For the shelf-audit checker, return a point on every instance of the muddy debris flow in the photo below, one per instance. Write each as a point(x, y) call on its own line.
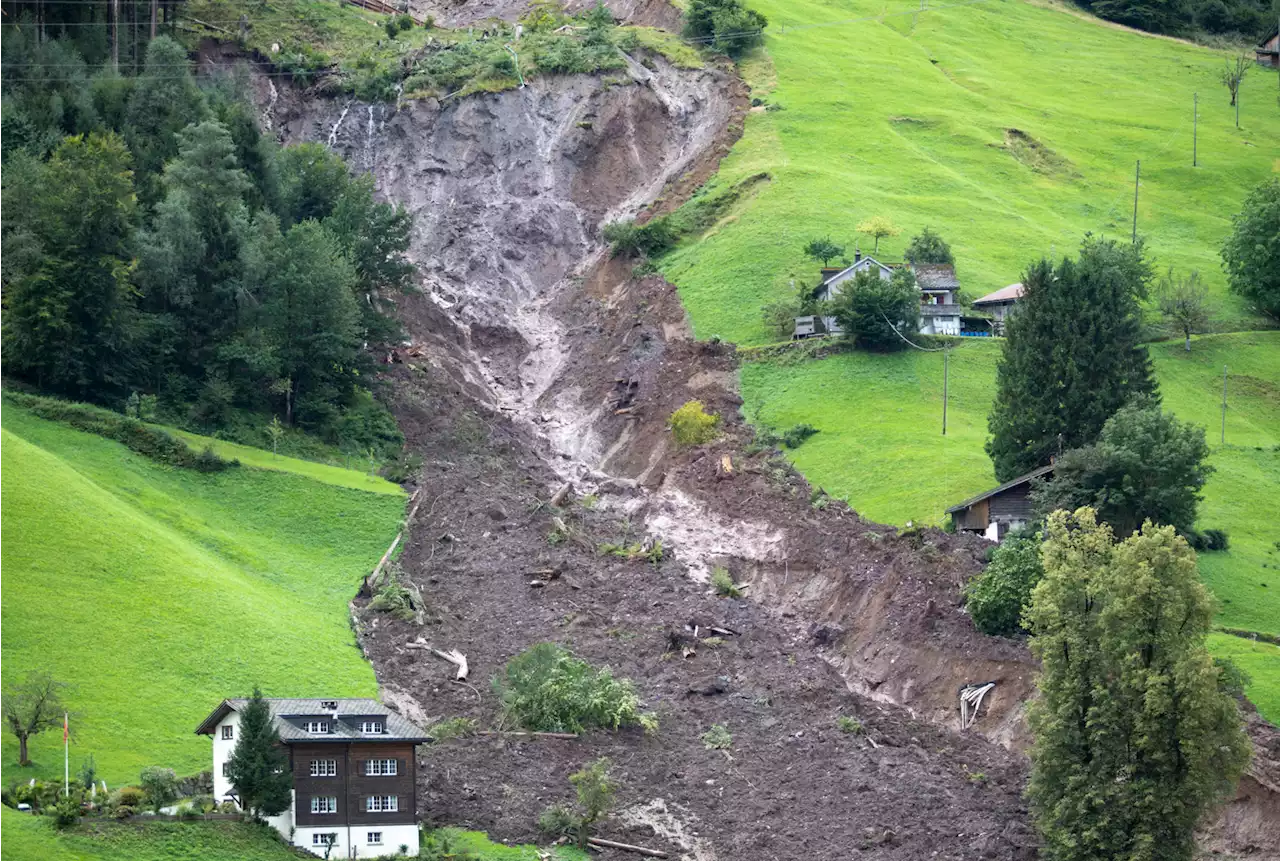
point(535, 360)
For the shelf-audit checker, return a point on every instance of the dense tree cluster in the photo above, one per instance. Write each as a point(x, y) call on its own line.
point(1245, 19)
point(156, 243)
point(1072, 355)
point(1137, 733)
point(724, 25)
point(1251, 253)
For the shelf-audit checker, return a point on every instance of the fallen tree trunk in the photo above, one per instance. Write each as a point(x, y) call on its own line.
point(523, 734)
point(601, 843)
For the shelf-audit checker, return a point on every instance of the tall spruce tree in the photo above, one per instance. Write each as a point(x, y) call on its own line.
point(164, 101)
point(1072, 355)
point(1136, 736)
point(259, 768)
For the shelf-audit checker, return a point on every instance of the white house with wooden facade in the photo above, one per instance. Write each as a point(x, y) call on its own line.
point(354, 774)
point(939, 311)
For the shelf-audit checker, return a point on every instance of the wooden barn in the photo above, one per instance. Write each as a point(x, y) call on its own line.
point(1268, 51)
point(995, 512)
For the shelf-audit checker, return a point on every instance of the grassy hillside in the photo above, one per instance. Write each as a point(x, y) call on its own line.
point(33, 838)
point(156, 591)
point(880, 445)
point(912, 117)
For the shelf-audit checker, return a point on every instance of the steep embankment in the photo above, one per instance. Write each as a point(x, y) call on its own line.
point(155, 592)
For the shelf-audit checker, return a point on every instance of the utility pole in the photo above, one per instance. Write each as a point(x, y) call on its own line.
point(154, 3)
point(1222, 440)
point(1238, 103)
point(1195, 117)
point(946, 374)
point(1137, 174)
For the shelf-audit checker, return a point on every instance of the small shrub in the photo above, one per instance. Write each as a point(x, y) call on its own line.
point(558, 820)
point(395, 600)
point(848, 725)
point(459, 727)
point(67, 812)
point(392, 27)
point(693, 425)
point(547, 689)
point(404, 468)
point(795, 435)
point(713, 642)
point(996, 596)
point(1209, 540)
point(159, 786)
point(717, 738)
point(404, 22)
point(129, 796)
point(227, 807)
point(722, 582)
point(124, 811)
point(188, 811)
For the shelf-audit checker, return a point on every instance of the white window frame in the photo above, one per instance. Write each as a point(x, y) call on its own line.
point(327, 839)
point(374, 838)
point(228, 732)
point(373, 727)
point(226, 768)
point(324, 768)
point(382, 804)
point(381, 768)
point(328, 802)
point(318, 727)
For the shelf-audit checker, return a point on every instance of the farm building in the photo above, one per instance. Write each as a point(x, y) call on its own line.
point(939, 312)
point(1268, 51)
point(995, 512)
point(1000, 305)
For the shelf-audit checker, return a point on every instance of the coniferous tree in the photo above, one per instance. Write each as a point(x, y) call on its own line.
point(1072, 355)
point(1136, 736)
point(164, 101)
point(69, 302)
point(259, 768)
point(928, 247)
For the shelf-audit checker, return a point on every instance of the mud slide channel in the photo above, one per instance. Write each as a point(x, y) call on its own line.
point(574, 365)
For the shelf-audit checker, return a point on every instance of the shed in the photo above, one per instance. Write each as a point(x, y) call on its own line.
point(996, 511)
point(1268, 51)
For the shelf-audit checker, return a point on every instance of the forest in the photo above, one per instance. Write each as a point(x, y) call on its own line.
point(162, 255)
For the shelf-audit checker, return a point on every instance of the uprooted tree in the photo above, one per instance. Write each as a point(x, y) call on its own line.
point(1137, 735)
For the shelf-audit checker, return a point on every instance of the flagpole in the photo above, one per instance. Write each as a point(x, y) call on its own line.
point(66, 755)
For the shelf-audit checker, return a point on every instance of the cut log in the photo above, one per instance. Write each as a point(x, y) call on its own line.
point(456, 658)
point(373, 578)
point(600, 842)
point(523, 734)
point(557, 498)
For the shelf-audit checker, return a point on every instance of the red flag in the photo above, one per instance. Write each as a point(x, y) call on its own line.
point(64, 727)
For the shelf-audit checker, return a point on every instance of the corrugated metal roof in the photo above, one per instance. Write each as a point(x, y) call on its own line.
point(343, 717)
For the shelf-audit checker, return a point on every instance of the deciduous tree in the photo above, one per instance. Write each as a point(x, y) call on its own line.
point(928, 247)
point(32, 706)
point(1184, 302)
point(726, 25)
point(1072, 355)
point(824, 250)
point(1135, 737)
point(259, 768)
point(878, 227)
point(1251, 252)
point(878, 313)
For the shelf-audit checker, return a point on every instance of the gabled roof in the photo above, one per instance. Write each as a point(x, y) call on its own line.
point(343, 715)
point(1275, 31)
point(1004, 294)
point(1022, 479)
point(935, 276)
point(860, 263)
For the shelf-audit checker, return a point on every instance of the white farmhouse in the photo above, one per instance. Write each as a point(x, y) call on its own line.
point(939, 311)
point(354, 773)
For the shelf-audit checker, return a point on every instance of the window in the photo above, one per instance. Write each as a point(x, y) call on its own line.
point(324, 804)
point(324, 768)
point(324, 839)
point(376, 727)
point(226, 769)
point(380, 767)
point(228, 732)
point(320, 726)
point(382, 803)
point(375, 838)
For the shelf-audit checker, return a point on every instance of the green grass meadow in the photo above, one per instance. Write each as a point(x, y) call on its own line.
point(155, 592)
point(908, 117)
point(880, 445)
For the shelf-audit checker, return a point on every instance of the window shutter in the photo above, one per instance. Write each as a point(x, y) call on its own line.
point(401, 769)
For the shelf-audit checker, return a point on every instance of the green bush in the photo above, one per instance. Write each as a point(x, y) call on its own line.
point(547, 689)
point(725, 25)
point(723, 583)
point(848, 725)
point(136, 435)
point(1208, 540)
point(693, 425)
point(717, 738)
point(558, 821)
point(995, 597)
point(642, 240)
point(159, 785)
point(124, 811)
point(128, 796)
point(66, 812)
point(394, 599)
